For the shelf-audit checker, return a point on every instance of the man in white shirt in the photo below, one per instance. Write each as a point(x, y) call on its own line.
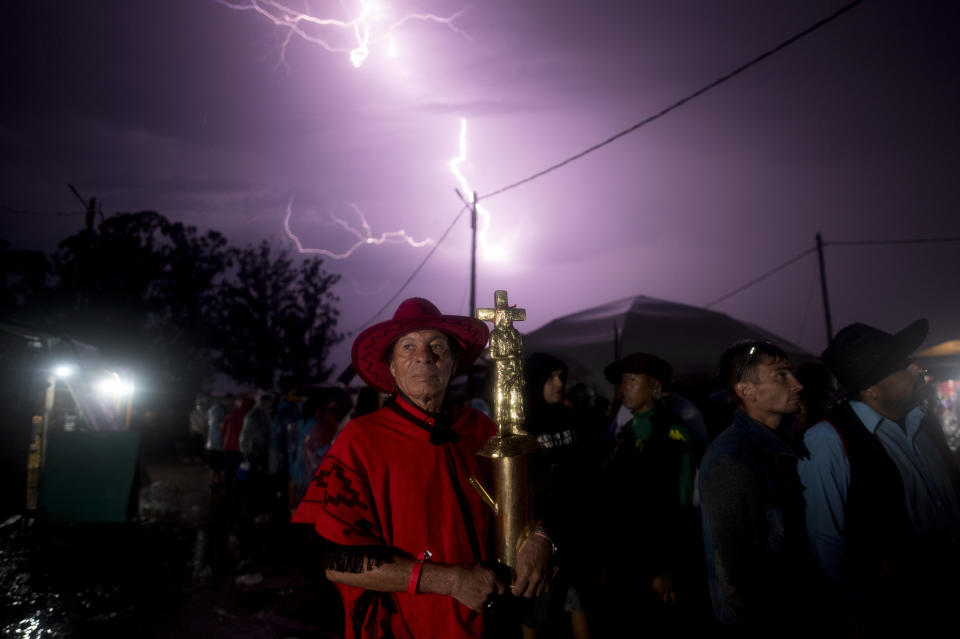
point(881, 488)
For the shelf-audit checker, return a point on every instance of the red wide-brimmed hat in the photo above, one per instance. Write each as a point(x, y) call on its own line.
point(414, 314)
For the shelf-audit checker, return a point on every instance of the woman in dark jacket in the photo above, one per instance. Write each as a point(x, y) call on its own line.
point(559, 474)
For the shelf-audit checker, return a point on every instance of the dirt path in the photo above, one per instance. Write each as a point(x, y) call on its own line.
point(179, 570)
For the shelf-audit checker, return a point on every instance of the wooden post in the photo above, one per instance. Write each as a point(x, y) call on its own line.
point(823, 289)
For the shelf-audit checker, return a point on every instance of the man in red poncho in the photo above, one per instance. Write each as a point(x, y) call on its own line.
point(406, 534)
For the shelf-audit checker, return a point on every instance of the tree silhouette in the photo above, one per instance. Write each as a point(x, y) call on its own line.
point(178, 305)
point(23, 279)
point(276, 321)
point(138, 287)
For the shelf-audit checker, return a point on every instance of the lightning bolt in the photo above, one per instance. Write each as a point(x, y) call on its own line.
point(483, 216)
point(365, 292)
point(364, 235)
point(361, 31)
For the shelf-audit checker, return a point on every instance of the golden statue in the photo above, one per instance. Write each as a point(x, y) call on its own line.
point(507, 450)
point(506, 350)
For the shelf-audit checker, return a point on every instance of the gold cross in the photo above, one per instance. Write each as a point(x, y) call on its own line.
point(502, 309)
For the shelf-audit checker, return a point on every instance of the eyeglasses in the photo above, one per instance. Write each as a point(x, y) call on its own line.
point(746, 361)
point(912, 362)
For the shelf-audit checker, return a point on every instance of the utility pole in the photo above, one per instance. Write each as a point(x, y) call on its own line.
point(473, 249)
point(91, 211)
point(473, 255)
point(473, 265)
point(823, 289)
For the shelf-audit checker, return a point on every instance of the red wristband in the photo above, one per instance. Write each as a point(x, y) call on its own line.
point(417, 569)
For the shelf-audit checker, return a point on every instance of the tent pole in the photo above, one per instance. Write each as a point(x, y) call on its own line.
point(823, 289)
point(616, 341)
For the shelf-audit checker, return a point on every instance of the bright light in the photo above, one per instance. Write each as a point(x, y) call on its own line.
point(354, 36)
point(63, 371)
point(114, 387)
point(489, 252)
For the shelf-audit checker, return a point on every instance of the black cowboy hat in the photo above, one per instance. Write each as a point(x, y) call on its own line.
point(638, 363)
point(859, 355)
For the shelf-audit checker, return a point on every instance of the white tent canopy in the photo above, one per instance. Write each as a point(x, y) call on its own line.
point(688, 337)
point(942, 360)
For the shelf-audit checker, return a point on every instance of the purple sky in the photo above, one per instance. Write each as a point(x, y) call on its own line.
point(186, 107)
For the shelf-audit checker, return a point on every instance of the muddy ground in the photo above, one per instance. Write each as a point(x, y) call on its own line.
point(181, 568)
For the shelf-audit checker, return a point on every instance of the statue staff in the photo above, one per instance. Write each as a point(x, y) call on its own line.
point(508, 449)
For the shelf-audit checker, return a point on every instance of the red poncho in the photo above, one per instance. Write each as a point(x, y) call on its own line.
point(384, 483)
point(233, 424)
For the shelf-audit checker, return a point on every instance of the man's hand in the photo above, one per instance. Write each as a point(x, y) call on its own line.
point(533, 572)
point(663, 587)
point(475, 585)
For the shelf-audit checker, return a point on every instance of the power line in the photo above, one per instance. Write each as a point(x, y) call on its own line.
point(680, 102)
point(611, 139)
point(627, 131)
point(412, 275)
point(919, 240)
point(24, 212)
point(757, 280)
point(77, 193)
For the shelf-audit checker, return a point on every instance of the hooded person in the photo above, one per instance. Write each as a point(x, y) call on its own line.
point(561, 463)
point(882, 489)
point(406, 536)
point(547, 416)
point(560, 477)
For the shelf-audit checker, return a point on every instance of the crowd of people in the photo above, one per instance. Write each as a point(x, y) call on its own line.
point(812, 498)
point(263, 448)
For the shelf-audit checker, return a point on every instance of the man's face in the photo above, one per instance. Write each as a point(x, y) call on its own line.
point(772, 388)
point(900, 391)
point(553, 389)
point(422, 364)
point(637, 391)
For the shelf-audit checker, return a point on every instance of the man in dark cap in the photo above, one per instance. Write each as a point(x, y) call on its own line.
point(882, 489)
point(750, 499)
point(406, 534)
point(648, 484)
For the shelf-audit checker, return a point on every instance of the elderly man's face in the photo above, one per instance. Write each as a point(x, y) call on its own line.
point(422, 364)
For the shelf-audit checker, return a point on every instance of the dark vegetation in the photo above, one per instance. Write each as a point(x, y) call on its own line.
point(177, 306)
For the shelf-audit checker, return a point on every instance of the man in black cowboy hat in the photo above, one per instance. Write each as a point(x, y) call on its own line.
point(648, 491)
point(407, 536)
point(882, 489)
